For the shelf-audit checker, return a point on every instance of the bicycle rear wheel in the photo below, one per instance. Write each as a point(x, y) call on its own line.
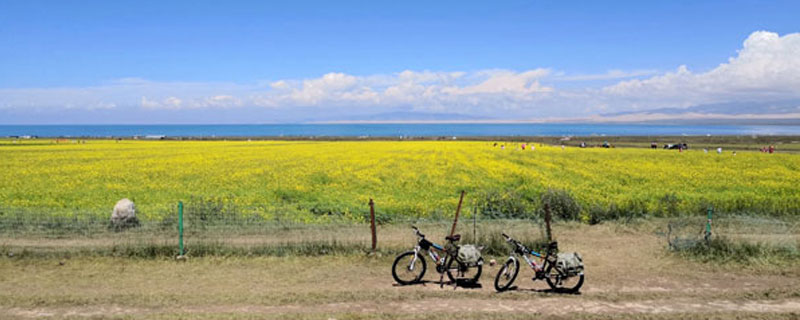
point(564, 284)
point(458, 271)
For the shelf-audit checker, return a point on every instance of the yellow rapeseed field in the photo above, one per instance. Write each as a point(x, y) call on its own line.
point(308, 179)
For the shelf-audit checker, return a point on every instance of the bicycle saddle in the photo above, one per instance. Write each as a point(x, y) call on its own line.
point(453, 238)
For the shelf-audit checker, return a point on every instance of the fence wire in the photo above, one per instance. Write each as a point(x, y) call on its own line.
point(687, 232)
point(213, 230)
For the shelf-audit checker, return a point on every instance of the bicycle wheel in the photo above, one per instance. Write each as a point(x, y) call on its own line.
point(564, 284)
point(465, 273)
point(403, 273)
point(506, 276)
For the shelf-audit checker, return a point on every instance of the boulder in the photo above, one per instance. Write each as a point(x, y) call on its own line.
point(124, 215)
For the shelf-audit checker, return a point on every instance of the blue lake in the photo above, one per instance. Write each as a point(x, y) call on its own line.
point(391, 130)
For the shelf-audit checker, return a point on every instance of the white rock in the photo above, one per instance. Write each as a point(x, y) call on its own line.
point(124, 214)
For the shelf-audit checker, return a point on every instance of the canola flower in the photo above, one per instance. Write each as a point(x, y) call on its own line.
point(406, 178)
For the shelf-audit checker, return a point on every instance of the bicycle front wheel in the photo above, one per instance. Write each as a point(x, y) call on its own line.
point(506, 276)
point(404, 272)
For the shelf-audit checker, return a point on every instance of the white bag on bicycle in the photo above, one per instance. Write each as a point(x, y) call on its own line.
point(570, 263)
point(469, 255)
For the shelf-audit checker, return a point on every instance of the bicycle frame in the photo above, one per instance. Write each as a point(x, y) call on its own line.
point(432, 248)
point(540, 270)
point(532, 263)
point(439, 254)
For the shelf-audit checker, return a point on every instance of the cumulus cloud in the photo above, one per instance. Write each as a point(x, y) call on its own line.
point(505, 82)
point(766, 67)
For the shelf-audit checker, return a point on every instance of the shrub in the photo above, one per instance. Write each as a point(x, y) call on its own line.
point(503, 205)
point(562, 205)
point(628, 211)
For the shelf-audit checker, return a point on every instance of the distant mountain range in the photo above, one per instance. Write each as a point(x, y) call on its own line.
point(785, 112)
point(750, 112)
point(730, 108)
point(410, 116)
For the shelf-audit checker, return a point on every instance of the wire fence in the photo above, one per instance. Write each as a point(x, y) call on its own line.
point(217, 229)
point(736, 238)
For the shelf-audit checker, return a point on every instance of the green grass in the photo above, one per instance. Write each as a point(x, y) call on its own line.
point(725, 250)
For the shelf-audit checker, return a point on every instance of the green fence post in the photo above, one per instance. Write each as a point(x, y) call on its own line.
point(180, 227)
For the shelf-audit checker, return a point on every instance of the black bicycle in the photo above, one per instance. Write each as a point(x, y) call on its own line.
point(562, 273)
point(409, 267)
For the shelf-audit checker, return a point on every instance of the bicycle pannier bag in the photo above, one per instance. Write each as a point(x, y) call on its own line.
point(470, 255)
point(570, 263)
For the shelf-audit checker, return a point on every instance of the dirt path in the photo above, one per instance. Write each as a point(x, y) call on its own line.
point(623, 281)
point(546, 306)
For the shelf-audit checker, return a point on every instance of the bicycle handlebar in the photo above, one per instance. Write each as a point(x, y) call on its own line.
point(416, 231)
point(516, 243)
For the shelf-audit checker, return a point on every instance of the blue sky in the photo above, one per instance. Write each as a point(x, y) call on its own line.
point(540, 58)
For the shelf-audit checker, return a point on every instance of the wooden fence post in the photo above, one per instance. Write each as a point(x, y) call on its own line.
point(707, 235)
point(547, 219)
point(458, 210)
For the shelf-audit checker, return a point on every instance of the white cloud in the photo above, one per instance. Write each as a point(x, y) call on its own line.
point(172, 103)
point(767, 67)
point(505, 82)
point(222, 101)
point(609, 75)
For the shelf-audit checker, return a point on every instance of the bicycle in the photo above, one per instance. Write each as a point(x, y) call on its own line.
point(409, 267)
point(558, 274)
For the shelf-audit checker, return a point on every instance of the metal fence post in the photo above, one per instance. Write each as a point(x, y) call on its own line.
point(180, 227)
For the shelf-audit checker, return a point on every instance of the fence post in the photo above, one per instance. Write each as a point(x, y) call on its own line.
point(458, 210)
point(180, 228)
point(708, 226)
point(372, 225)
point(547, 219)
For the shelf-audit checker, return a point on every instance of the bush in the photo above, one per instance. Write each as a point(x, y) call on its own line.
point(504, 205)
point(630, 210)
point(562, 205)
